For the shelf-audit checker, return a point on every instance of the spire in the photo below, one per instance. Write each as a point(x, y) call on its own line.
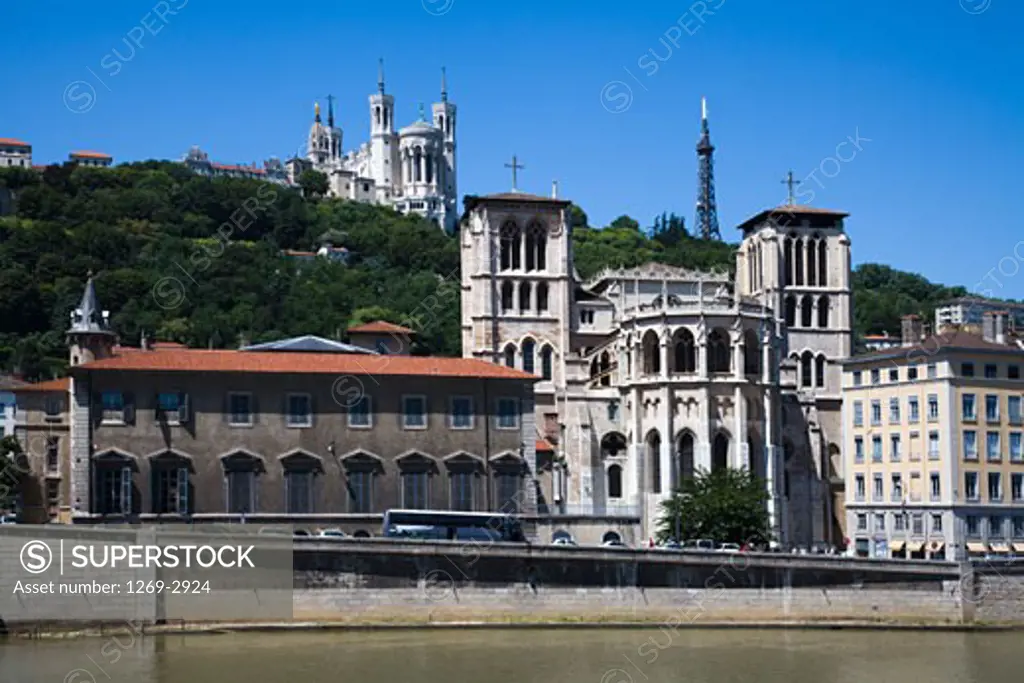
point(380, 76)
point(422, 115)
point(88, 317)
point(706, 224)
point(316, 112)
point(444, 85)
point(330, 111)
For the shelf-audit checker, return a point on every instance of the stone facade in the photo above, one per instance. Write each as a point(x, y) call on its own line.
point(648, 374)
point(43, 430)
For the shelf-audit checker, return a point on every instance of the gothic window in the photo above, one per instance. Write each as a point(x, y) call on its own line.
point(507, 294)
point(686, 466)
point(819, 371)
point(718, 351)
point(812, 253)
point(807, 310)
point(546, 362)
point(510, 246)
point(614, 481)
point(606, 375)
point(654, 460)
point(720, 452)
point(806, 363)
point(529, 347)
point(510, 356)
point(790, 311)
point(376, 114)
point(542, 297)
point(684, 351)
point(418, 165)
point(536, 247)
point(524, 297)
point(429, 162)
point(823, 312)
point(787, 256)
point(798, 266)
point(652, 353)
point(751, 354)
point(822, 263)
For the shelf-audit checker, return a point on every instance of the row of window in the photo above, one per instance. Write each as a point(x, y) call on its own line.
point(899, 522)
point(995, 487)
point(173, 490)
point(993, 446)
point(969, 408)
point(990, 371)
point(895, 415)
point(805, 259)
point(896, 490)
point(527, 355)
point(241, 410)
point(527, 302)
point(896, 448)
point(996, 526)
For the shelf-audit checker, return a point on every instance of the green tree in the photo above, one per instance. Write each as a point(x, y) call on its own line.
point(726, 505)
point(313, 184)
point(12, 470)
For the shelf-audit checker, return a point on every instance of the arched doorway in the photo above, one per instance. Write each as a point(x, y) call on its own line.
point(720, 452)
point(611, 537)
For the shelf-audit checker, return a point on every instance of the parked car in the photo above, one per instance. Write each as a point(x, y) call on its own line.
point(699, 544)
point(563, 540)
point(331, 533)
point(729, 548)
point(613, 543)
point(670, 545)
point(8, 519)
point(301, 533)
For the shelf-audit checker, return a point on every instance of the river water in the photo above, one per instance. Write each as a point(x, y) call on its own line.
point(522, 656)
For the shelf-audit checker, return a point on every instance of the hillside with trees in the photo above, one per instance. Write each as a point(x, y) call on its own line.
point(202, 261)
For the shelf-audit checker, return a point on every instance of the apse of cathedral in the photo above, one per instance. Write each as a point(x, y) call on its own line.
point(650, 374)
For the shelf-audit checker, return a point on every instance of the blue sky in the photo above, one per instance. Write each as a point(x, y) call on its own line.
point(603, 96)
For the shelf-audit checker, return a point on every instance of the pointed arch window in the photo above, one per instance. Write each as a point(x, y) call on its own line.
point(524, 297)
point(547, 362)
point(798, 265)
point(654, 460)
point(684, 352)
point(823, 311)
point(751, 354)
point(787, 256)
point(542, 297)
point(812, 260)
point(822, 263)
point(806, 368)
point(718, 351)
point(614, 481)
point(510, 356)
point(511, 238)
point(507, 295)
point(529, 348)
point(536, 247)
point(819, 371)
point(606, 368)
point(652, 353)
point(807, 310)
point(790, 311)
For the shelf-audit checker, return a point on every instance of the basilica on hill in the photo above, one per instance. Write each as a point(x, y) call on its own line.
point(650, 374)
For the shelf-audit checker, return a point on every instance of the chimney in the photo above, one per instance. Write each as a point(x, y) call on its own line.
point(144, 342)
point(994, 326)
point(911, 330)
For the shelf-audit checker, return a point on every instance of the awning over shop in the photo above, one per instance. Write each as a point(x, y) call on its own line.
point(1000, 547)
point(976, 548)
point(937, 546)
point(896, 546)
point(915, 546)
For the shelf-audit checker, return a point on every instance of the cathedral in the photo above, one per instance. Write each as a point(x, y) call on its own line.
point(649, 374)
point(412, 170)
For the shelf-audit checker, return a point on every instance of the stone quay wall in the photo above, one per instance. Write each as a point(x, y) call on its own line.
point(374, 582)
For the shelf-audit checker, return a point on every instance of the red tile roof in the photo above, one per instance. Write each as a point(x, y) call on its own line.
point(543, 446)
point(63, 385)
point(202, 360)
point(380, 327)
point(11, 142)
point(86, 154)
point(953, 340)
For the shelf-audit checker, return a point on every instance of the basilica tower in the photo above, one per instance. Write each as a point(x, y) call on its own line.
point(384, 152)
point(444, 120)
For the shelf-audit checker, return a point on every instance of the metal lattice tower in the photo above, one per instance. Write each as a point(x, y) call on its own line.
point(706, 223)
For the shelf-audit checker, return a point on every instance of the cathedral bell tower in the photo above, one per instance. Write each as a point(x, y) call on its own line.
point(444, 120)
point(384, 159)
point(89, 337)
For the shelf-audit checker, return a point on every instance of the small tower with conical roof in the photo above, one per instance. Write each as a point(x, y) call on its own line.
point(90, 337)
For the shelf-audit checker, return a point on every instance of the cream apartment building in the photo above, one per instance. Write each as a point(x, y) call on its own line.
point(933, 457)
